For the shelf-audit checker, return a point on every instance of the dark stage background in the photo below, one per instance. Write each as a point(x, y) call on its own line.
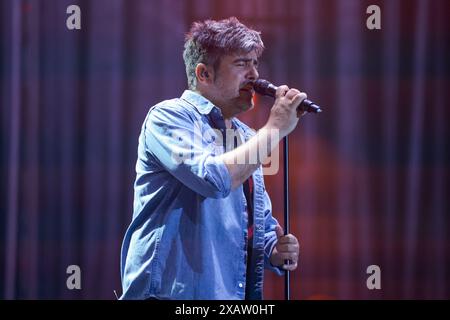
point(369, 176)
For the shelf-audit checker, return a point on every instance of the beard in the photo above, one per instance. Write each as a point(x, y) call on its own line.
point(246, 98)
point(244, 101)
point(236, 100)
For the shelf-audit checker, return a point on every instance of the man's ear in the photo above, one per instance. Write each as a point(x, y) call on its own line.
point(202, 73)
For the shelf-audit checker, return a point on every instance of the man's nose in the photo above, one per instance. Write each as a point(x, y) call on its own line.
point(253, 74)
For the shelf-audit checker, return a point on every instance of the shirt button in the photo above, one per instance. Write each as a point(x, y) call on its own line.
point(240, 285)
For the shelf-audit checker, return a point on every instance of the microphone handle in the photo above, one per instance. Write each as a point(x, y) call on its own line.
point(309, 106)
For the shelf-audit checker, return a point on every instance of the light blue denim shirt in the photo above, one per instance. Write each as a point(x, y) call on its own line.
point(188, 236)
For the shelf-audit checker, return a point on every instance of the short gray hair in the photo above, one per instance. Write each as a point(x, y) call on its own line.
point(209, 40)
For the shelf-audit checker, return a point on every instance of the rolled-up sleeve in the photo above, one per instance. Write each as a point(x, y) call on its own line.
point(175, 139)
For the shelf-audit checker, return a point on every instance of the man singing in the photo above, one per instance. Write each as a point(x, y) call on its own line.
point(202, 225)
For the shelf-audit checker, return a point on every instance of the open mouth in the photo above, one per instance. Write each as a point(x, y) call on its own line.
point(248, 89)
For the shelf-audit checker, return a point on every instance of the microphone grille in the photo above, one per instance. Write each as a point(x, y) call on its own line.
point(263, 87)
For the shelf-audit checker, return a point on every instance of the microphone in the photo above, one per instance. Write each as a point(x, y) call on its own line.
point(266, 88)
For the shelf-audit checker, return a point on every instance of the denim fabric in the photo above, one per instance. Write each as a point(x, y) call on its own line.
point(188, 235)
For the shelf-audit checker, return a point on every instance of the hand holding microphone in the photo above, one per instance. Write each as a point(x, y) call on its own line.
point(288, 104)
point(284, 113)
point(266, 88)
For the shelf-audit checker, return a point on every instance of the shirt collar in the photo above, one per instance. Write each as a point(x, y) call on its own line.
point(203, 105)
point(206, 107)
